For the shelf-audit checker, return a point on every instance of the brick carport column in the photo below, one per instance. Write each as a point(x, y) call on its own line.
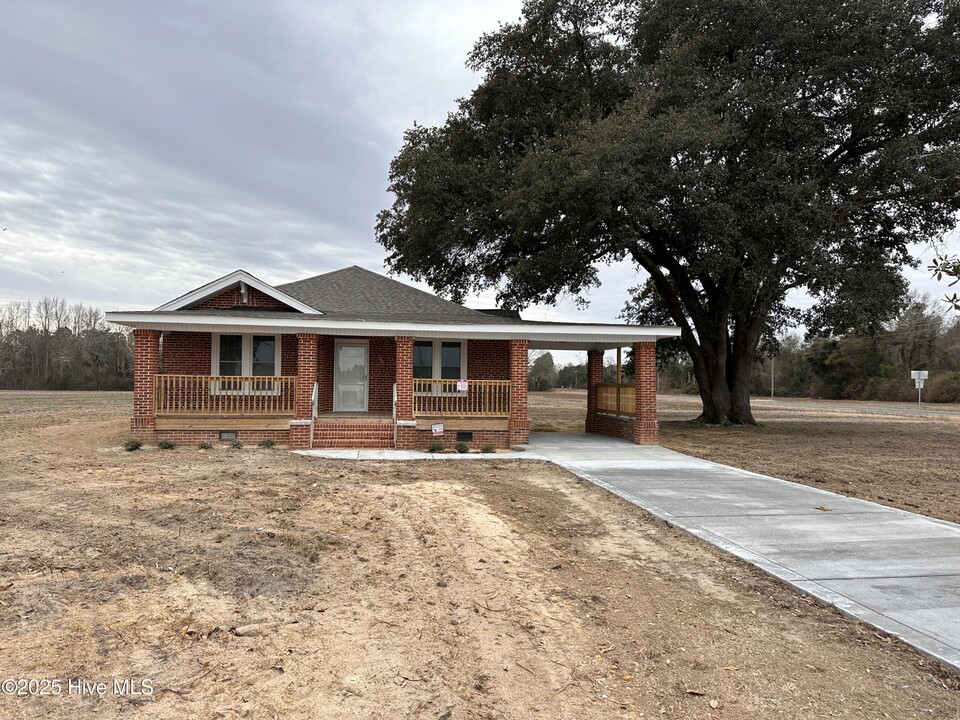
point(146, 365)
point(594, 378)
point(301, 428)
point(646, 429)
point(519, 373)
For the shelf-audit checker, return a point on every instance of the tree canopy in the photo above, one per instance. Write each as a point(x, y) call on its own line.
point(735, 150)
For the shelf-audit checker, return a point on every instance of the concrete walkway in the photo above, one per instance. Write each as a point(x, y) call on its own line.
point(893, 569)
point(890, 568)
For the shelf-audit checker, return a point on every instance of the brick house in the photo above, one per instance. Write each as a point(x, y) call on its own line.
point(355, 359)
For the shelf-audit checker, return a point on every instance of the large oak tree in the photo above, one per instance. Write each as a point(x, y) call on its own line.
point(733, 149)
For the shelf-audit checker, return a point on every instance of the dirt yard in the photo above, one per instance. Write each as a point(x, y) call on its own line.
point(256, 583)
point(878, 451)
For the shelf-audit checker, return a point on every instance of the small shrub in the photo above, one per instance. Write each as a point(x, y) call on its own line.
point(488, 448)
point(236, 444)
point(436, 447)
point(266, 444)
point(204, 445)
point(166, 444)
point(461, 447)
point(132, 444)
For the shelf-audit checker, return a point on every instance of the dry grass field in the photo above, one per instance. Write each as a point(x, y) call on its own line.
point(255, 583)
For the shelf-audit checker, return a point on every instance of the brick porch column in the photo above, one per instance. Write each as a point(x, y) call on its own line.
point(594, 378)
point(404, 378)
point(646, 429)
point(519, 371)
point(405, 432)
point(302, 427)
point(146, 365)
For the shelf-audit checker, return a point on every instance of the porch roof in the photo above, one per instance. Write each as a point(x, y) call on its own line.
point(542, 335)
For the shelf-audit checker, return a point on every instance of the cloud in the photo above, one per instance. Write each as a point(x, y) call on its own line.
point(146, 148)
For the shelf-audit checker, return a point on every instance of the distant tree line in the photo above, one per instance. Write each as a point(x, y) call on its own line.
point(855, 366)
point(544, 374)
point(53, 345)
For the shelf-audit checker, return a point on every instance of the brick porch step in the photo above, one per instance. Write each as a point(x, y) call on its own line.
point(353, 435)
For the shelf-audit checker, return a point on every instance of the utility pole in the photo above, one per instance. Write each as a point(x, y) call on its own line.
point(771, 377)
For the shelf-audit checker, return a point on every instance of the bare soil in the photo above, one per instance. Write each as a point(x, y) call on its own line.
point(882, 452)
point(257, 583)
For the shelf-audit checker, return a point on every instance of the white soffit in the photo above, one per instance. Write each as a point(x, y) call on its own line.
point(555, 336)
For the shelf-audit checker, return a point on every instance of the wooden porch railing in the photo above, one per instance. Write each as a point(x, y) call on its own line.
point(616, 399)
point(224, 395)
point(479, 398)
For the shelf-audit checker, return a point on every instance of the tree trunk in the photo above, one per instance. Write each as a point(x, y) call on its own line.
point(724, 382)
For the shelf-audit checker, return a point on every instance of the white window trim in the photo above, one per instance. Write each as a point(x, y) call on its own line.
point(438, 363)
point(337, 344)
point(246, 363)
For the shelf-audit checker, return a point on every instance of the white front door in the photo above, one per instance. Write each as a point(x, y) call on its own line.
point(350, 377)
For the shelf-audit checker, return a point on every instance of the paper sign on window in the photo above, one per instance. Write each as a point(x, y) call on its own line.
point(461, 385)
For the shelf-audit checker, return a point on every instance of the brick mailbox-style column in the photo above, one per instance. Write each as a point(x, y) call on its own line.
point(646, 429)
point(594, 378)
point(302, 427)
point(519, 371)
point(406, 426)
point(146, 365)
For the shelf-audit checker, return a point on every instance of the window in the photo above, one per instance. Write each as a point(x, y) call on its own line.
point(245, 355)
point(450, 366)
point(264, 355)
point(231, 355)
point(423, 359)
point(444, 359)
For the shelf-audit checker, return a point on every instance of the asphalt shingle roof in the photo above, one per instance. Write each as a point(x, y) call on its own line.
point(355, 293)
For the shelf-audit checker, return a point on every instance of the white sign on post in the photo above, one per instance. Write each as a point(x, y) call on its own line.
point(918, 377)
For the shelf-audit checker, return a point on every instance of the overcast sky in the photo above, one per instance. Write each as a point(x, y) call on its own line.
point(149, 147)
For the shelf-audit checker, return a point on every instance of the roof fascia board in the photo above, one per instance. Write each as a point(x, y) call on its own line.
point(227, 281)
point(325, 326)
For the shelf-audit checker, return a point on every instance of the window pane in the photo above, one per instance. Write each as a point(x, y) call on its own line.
point(231, 354)
point(450, 361)
point(423, 359)
point(264, 355)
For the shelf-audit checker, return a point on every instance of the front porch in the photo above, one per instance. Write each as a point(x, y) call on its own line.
point(328, 391)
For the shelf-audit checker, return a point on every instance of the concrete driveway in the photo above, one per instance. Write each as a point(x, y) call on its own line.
point(893, 569)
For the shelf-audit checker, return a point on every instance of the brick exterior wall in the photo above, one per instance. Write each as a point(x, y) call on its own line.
point(421, 438)
point(383, 368)
point(231, 298)
point(186, 353)
point(288, 354)
point(146, 364)
point(519, 370)
point(488, 359)
point(594, 378)
point(325, 373)
point(248, 437)
point(646, 429)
